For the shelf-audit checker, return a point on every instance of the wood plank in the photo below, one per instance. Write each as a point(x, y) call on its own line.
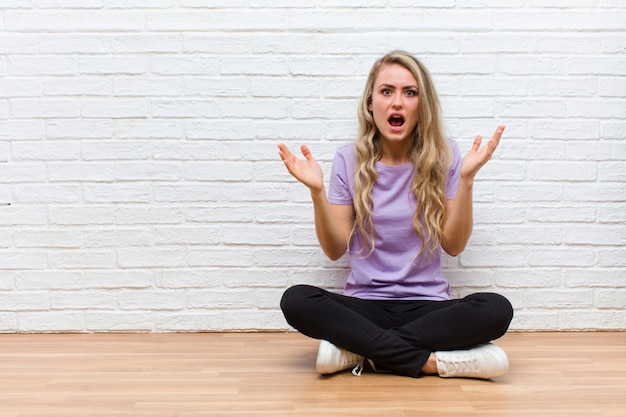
point(272, 374)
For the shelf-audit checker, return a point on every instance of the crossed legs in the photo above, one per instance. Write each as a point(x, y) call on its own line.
point(399, 336)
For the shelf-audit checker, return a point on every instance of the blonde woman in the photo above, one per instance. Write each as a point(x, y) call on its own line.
point(397, 197)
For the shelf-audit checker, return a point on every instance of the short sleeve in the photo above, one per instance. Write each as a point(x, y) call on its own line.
point(454, 174)
point(339, 187)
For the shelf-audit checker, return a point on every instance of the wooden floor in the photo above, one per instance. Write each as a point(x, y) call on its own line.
point(272, 374)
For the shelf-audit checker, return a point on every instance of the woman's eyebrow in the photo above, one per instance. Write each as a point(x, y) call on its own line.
point(406, 87)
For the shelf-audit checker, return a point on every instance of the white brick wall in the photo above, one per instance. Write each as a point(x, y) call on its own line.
point(138, 152)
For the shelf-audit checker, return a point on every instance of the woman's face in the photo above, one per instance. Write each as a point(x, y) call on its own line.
point(395, 100)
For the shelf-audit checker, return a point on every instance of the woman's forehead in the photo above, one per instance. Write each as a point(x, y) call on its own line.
point(395, 75)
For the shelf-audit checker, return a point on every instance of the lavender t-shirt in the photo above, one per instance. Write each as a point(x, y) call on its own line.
point(392, 271)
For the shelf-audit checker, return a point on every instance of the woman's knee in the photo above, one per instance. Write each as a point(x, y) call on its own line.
point(294, 299)
point(503, 312)
point(497, 313)
point(300, 309)
point(503, 306)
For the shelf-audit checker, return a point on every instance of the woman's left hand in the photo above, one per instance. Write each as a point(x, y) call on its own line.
point(476, 158)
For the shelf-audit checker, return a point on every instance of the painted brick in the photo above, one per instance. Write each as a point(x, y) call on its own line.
point(44, 109)
point(86, 216)
point(82, 259)
point(155, 300)
point(8, 322)
point(189, 321)
point(48, 238)
point(119, 279)
point(116, 321)
point(581, 320)
point(20, 88)
point(60, 321)
point(145, 43)
point(144, 214)
point(82, 300)
point(55, 43)
point(79, 129)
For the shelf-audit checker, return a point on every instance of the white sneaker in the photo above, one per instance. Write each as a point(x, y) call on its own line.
point(485, 361)
point(331, 359)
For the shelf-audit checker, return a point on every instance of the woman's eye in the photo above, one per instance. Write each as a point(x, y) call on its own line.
point(411, 93)
point(386, 91)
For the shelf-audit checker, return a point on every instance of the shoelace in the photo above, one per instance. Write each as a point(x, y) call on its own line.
point(357, 370)
point(348, 357)
point(460, 366)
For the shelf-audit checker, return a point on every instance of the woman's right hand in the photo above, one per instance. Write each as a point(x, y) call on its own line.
point(308, 172)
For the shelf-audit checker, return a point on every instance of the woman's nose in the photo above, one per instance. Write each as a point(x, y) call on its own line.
point(397, 100)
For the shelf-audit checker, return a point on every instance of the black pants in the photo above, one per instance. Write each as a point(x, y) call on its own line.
point(397, 335)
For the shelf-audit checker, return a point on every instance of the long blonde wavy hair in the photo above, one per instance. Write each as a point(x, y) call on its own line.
point(430, 155)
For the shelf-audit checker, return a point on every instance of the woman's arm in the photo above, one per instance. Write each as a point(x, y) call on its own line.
point(333, 225)
point(458, 221)
point(333, 222)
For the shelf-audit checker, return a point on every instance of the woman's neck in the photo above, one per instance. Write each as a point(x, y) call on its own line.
point(395, 153)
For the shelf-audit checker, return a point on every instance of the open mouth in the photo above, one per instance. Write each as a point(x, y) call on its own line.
point(396, 120)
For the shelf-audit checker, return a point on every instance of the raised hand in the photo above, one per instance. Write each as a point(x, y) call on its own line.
point(308, 172)
point(476, 158)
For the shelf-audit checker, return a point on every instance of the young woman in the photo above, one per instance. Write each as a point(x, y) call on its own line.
point(397, 197)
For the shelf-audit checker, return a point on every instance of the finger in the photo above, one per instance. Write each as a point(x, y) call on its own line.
point(498, 133)
point(477, 142)
point(306, 153)
point(495, 140)
point(284, 152)
point(282, 149)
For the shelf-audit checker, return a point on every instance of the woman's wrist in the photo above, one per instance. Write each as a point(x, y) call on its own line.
point(317, 194)
point(466, 181)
